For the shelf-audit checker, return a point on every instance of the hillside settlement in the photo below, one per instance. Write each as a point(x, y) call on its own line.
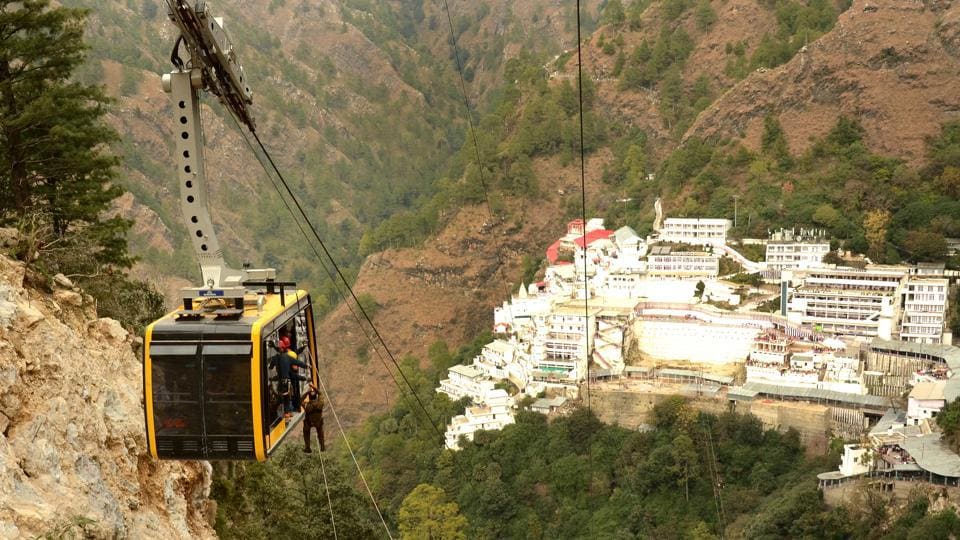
point(860, 349)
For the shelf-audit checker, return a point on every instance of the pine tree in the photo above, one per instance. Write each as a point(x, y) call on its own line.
point(55, 173)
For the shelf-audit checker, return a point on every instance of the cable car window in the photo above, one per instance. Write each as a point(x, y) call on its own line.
point(176, 395)
point(226, 382)
point(273, 404)
point(300, 324)
point(241, 350)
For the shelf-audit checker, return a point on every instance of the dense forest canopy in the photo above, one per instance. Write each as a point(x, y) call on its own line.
point(572, 477)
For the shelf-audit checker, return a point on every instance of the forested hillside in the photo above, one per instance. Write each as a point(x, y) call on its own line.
point(655, 125)
point(572, 477)
point(699, 103)
point(358, 100)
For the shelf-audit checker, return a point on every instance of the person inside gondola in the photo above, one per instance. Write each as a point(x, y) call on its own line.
point(283, 362)
point(297, 379)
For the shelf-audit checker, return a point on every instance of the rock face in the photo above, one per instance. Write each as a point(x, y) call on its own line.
point(72, 446)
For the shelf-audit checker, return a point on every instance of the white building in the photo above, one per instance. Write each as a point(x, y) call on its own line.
point(618, 284)
point(662, 262)
point(506, 360)
point(788, 250)
point(559, 348)
point(517, 311)
point(924, 310)
point(631, 249)
point(847, 301)
point(495, 414)
point(696, 231)
point(879, 301)
point(465, 381)
point(856, 459)
point(925, 401)
point(773, 362)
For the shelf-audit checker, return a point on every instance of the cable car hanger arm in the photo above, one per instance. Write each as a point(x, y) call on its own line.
point(212, 52)
point(212, 66)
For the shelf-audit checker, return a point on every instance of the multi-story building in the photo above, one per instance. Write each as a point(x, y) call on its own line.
point(880, 301)
point(847, 301)
point(924, 302)
point(502, 359)
point(465, 381)
point(560, 345)
point(696, 231)
point(516, 312)
point(662, 262)
point(495, 414)
point(789, 250)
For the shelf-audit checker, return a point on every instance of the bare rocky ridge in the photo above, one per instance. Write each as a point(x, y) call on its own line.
point(893, 65)
point(72, 444)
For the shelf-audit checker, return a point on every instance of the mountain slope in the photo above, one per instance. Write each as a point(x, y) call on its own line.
point(357, 100)
point(444, 290)
point(432, 293)
point(893, 65)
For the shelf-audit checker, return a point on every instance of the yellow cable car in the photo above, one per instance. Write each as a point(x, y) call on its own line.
point(210, 390)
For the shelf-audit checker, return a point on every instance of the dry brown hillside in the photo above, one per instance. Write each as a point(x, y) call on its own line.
point(446, 289)
point(893, 65)
point(737, 21)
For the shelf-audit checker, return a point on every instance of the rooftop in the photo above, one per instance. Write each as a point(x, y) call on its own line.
point(894, 420)
point(466, 371)
point(928, 390)
point(670, 372)
point(548, 403)
point(814, 394)
point(624, 234)
point(500, 346)
point(947, 353)
point(576, 310)
point(705, 221)
point(613, 303)
point(932, 454)
point(553, 252)
point(592, 237)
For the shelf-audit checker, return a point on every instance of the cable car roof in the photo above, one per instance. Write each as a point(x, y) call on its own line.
point(251, 312)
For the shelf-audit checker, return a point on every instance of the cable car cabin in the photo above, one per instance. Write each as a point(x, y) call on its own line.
point(210, 390)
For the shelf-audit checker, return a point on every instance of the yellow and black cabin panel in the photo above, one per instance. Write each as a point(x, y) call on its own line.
point(210, 390)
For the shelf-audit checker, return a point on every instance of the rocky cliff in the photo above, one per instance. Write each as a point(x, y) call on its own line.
point(73, 456)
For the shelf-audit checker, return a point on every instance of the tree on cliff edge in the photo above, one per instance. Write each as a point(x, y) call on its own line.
point(55, 172)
